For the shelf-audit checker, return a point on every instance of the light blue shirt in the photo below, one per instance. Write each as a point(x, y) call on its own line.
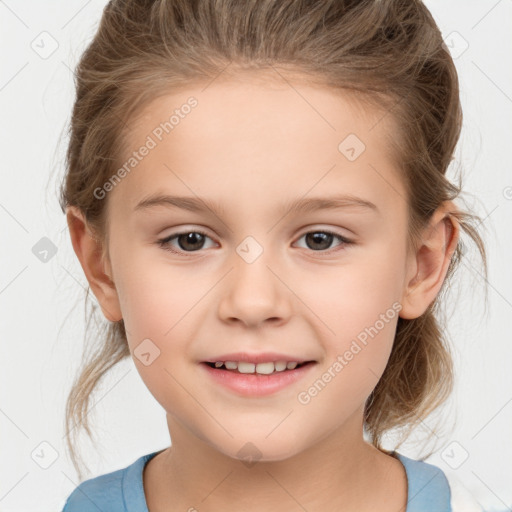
point(122, 490)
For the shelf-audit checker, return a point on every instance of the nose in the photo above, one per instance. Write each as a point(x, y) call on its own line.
point(254, 293)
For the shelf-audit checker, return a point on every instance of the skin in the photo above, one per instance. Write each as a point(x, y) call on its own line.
point(253, 147)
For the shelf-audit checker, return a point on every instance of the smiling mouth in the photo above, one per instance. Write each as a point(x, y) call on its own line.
point(251, 380)
point(257, 369)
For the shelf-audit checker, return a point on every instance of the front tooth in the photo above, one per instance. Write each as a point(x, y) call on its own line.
point(265, 368)
point(280, 366)
point(244, 367)
point(291, 366)
point(231, 365)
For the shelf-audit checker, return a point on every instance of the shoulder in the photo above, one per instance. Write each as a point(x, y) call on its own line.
point(429, 488)
point(101, 493)
point(111, 491)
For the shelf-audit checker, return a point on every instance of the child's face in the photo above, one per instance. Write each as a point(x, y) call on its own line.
point(253, 150)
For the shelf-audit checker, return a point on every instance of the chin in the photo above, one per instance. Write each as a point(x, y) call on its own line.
point(250, 450)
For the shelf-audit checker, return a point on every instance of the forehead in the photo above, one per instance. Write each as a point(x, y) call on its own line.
point(262, 99)
point(253, 134)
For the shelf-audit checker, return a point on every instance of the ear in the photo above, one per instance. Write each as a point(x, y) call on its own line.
point(94, 263)
point(429, 265)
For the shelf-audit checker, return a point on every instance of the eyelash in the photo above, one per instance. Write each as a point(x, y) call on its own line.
point(164, 242)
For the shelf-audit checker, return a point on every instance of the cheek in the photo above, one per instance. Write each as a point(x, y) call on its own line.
point(357, 308)
point(158, 304)
point(356, 354)
point(349, 297)
point(155, 297)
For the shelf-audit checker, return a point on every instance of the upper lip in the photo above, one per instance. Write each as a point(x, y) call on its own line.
point(260, 357)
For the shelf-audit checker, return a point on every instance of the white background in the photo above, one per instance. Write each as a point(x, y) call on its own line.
point(41, 304)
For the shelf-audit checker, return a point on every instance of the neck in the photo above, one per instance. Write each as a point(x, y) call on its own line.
point(339, 472)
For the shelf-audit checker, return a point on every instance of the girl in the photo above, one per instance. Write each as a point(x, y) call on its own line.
point(256, 193)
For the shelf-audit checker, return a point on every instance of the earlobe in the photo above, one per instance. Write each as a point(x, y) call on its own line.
point(96, 269)
point(432, 260)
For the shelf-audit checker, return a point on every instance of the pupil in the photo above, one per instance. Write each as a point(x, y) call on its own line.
point(324, 239)
point(190, 239)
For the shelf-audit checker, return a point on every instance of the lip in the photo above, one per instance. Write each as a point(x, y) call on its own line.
point(260, 357)
point(254, 385)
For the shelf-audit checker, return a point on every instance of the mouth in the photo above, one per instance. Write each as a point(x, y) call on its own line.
point(247, 368)
point(256, 380)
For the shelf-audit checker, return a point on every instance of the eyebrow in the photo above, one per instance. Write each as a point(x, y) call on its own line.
point(303, 205)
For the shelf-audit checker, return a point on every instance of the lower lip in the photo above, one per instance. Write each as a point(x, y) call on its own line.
point(252, 384)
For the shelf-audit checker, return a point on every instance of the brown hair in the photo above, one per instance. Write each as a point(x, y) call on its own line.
point(389, 53)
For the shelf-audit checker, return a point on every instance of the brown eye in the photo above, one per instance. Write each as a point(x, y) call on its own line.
point(322, 240)
point(190, 241)
point(319, 240)
point(187, 241)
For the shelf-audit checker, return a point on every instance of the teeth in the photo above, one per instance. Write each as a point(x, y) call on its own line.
point(265, 368)
point(260, 368)
point(280, 366)
point(246, 367)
